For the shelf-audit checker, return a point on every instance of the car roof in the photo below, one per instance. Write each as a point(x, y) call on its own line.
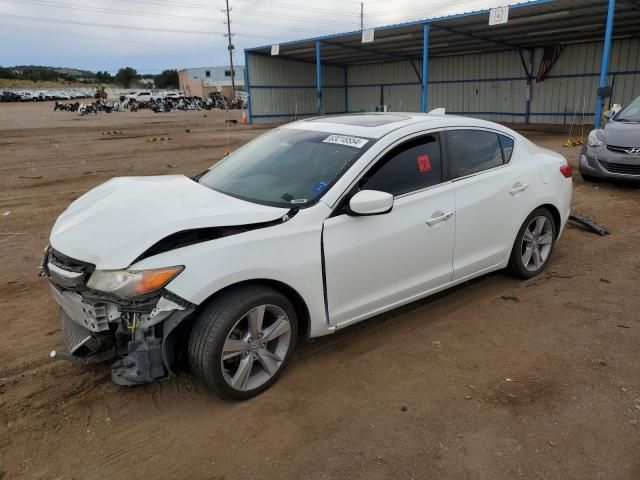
point(376, 125)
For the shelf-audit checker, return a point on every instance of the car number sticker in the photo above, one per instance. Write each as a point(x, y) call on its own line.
point(424, 163)
point(346, 140)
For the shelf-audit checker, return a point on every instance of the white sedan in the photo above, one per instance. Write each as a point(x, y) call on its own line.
point(307, 229)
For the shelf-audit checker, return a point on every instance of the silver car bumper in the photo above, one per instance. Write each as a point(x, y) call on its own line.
point(609, 162)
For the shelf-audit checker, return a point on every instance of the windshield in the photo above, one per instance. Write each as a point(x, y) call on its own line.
point(286, 167)
point(630, 113)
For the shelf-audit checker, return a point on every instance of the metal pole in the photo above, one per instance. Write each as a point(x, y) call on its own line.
point(230, 47)
point(361, 16)
point(346, 89)
point(604, 67)
point(527, 117)
point(318, 78)
point(247, 84)
point(425, 66)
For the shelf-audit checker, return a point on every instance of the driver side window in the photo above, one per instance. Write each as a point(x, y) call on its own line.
point(411, 166)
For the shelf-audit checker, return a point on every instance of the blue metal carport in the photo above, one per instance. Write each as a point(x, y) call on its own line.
point(538, 35)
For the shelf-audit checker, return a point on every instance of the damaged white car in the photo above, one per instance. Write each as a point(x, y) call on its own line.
point(305, 230)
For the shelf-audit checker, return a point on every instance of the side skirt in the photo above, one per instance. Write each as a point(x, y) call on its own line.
point(419, 296)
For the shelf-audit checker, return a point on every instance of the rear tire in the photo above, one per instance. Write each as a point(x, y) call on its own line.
point(241, 341)
point(534, 244)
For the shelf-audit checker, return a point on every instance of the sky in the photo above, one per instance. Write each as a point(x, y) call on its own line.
point(153, 35)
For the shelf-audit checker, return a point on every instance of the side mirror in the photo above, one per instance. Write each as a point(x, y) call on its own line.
point(371, 202)
point(614, 109)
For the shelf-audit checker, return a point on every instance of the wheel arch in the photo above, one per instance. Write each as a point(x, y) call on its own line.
point(302, 310)
point(177, 337)
point(557, 221)
point(555, 214)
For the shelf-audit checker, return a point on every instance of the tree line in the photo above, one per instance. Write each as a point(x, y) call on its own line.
point(125, 77)
point(128, 77)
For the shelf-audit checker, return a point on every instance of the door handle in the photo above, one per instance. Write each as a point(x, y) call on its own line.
point(518, 188)
point(438, 217)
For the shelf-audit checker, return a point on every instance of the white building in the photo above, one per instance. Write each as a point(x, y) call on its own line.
point(199, 82)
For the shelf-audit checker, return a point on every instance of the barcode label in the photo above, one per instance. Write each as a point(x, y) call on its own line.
point(346, 140)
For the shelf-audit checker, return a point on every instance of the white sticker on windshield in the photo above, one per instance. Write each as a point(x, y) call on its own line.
point(346, 140)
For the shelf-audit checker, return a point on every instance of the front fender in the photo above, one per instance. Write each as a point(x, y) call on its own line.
point(288, 253)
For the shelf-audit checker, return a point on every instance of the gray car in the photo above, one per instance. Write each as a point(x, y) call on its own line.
point(614, 151)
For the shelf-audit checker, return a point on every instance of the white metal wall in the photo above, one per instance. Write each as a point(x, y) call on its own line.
point(477, 85)
point(282, 90)
point(489, 85)
point(569, 87)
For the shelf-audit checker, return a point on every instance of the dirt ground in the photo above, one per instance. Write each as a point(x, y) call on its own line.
point(498, 379)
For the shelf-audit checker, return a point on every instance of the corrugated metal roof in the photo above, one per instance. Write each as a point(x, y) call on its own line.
point(531, 24)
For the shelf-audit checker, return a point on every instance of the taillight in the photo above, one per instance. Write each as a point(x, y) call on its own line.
point(566, 170)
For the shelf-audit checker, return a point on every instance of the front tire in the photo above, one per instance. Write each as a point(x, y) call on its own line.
point(533, 245)
point(242, 341)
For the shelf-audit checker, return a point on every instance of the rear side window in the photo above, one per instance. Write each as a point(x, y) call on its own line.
point(507, 147)
point(473, 151)
point(411, 166)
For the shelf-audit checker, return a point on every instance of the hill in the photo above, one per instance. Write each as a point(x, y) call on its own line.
point(21, 74)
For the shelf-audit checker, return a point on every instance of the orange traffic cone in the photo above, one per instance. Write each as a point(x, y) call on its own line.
point(244, 117)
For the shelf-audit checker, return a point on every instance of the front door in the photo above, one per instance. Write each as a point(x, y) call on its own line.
point(373, 263)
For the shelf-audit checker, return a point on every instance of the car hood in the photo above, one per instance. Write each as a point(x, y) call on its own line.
point(111, 225)
point(621, 134)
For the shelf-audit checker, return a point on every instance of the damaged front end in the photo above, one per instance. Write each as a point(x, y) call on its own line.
point(99, 326)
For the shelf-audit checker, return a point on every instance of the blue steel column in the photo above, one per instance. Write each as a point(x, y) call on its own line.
point(604, 67)
point(318, 78)
point(247, 85)
point(425, 66)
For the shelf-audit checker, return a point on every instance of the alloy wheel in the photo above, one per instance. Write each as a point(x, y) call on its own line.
point(255, 348)
point(537, 241)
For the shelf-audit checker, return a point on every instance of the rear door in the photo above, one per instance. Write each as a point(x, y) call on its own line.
point(491, 197)
point(373, 263)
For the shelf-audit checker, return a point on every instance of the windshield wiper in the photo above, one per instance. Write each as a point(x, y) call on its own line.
point(196, 178)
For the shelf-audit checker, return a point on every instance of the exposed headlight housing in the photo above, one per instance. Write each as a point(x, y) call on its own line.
point(132, 283)
point(594, 138)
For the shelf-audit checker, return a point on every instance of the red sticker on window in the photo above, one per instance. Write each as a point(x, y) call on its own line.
point(424, 164)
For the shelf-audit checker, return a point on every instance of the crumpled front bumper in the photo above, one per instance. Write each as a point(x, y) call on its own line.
point(138, 334)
